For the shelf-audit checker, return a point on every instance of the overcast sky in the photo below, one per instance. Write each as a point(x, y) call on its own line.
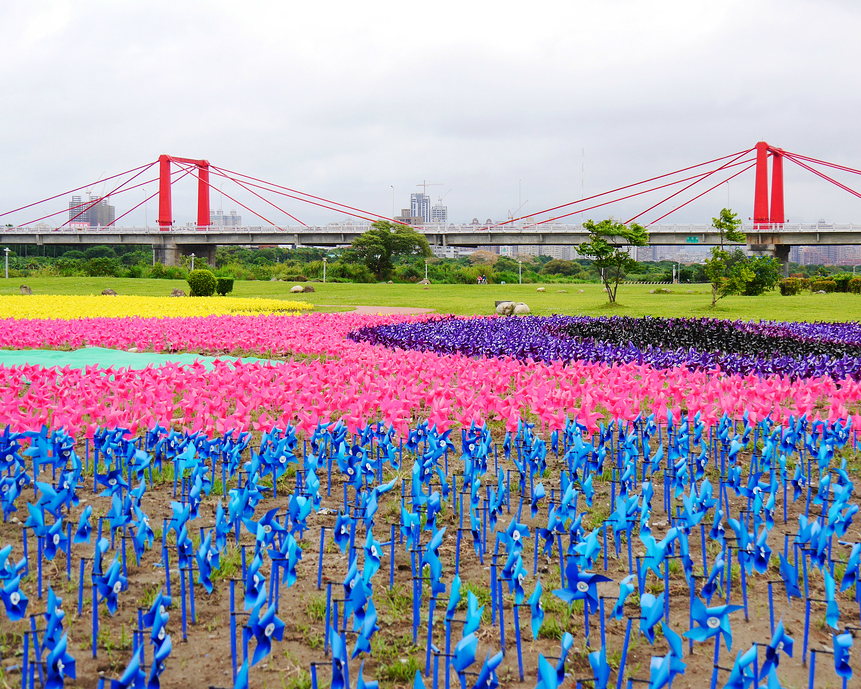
point(499, 103)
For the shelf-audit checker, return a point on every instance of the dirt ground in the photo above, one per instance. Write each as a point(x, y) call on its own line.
point(203, 659)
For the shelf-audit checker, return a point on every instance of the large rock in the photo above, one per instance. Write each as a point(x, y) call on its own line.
point(308, 288)
point(295, 289)
point(26, 290)
point(424, 282)
point(109, 292)
point(177, 292)
point(505, 308)
point(541, 289)
point(521, 309)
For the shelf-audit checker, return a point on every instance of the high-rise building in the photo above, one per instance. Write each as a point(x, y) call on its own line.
point(420, 205)
point(439, 213)
point(93, 212)
point(219, 219)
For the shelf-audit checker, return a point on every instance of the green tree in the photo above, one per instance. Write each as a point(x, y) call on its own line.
point(608, 247)
point(718, 267)
point(558, 266)
point(378, 246)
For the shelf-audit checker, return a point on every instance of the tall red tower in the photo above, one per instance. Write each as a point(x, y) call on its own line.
point(165, 209)
point(763, 216)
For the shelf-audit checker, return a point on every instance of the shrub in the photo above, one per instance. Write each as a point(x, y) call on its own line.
point(842, 281)
point(157, 271)
point(823, 286)
point(102, 267)
point(790, 287)
point(202, 283)
point(855, 285)
point(223, 285)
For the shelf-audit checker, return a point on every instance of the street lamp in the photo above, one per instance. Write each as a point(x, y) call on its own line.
point(393, 200)
point(520, 271)
point(324, 268)
point(7, 250)
point(192, 261)
point(426, 271)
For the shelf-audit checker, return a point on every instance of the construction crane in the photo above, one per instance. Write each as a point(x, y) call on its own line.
point(425, 184)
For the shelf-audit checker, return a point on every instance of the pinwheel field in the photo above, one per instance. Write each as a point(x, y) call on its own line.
point(429, 501)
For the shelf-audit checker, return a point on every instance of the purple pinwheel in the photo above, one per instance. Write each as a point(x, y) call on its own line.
point(842, 644)
point(82, 533)
point(59, 665)
point(580, 586)
point(651, 612)
point(264, 628)
point(711, 621)
point(537, 609)
point(780, 643)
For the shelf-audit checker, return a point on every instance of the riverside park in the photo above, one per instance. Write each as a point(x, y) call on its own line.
point(390, 485)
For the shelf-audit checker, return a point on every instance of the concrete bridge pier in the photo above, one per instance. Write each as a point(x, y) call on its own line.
point(205, 251)
point(779, 251)
point(164, 252)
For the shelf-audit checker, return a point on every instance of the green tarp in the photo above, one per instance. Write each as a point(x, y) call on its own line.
point(105, 358)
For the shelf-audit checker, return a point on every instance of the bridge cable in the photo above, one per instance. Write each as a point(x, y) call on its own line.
point(683, 189)
point(101, 198)
point(262, 198)
point(612, 191)
point(628, 196)
point(66, 193)
point(822, 175)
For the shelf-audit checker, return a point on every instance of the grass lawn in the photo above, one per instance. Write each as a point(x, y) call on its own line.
point(634, 300)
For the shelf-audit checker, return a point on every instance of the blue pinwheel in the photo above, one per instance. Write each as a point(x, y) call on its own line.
point(222, 528)
point(159, 662)
point(789, 574)
point(432, 560)
point(547, 678)
point(59, 665)
point(110, 584)
point(453, 598)
point(715, 577)
point(55, 539)
point(656, 552)
point(82, 533)
point(207, 559)
point(299, 508)
point(113, 482)
point(588, 549)
point(741, 674)
point(360, 680)
point(798, 482)
point(290, 553)
point(780, 643)
point(343, 529)
point(255, 584)
point(518, 576)
point(133, 677)
point(265, 529)
point(366, 631)
point(264, 628)
point(626, 588)
point(473, 614)
point(761, 552)
point(54, 616)
point(662, 669)
point(842, 644)
point(580, 586)
point(711, 621)
point(651, 612)
point(537, 496)
point(537, 609)
point(832, 610)
point(515, 533)
point(487, 675)
point(144, 535)
point(850, 575)
point(464, 653)
point(157, 618)
point(566, 644)
point(339, 660)
point(600, 668)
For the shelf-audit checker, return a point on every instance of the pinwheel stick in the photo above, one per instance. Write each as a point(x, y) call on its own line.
point(624, 657)
point(771, 607)
point(95, 630)
point(515, 609)
point(431, 606)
